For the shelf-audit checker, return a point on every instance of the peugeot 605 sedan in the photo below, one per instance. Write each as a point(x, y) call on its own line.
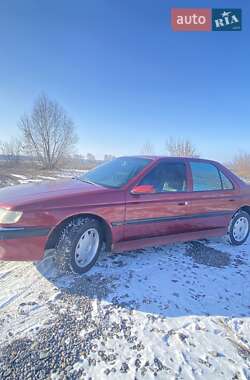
point(127, 203)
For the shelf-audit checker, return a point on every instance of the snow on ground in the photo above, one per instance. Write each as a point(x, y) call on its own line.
point(31, 180)
point(47, 177)
point(175, 312)
point(23, 299)
point(19, 176)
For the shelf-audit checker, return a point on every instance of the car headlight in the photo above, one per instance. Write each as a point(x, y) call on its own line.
point(9, 217)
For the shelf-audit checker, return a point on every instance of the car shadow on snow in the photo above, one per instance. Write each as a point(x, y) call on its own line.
point(205, 277)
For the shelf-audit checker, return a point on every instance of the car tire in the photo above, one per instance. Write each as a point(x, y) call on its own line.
point(239, 228)
point(79, 245)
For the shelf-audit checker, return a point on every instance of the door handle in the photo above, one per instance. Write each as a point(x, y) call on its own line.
point(183, 203)
point(232, 200)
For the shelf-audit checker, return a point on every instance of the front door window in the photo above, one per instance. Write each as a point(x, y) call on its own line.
point(167, 177)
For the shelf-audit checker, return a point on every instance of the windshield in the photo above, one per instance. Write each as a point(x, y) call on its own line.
point(116, 173)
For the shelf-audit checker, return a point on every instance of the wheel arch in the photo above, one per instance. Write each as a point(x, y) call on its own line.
point(243, 208)
point(55, 232)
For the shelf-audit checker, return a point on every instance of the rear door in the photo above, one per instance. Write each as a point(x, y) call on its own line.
point(212, 200)
point(164, 211)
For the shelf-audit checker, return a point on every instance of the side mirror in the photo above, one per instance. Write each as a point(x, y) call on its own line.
point(143, 189)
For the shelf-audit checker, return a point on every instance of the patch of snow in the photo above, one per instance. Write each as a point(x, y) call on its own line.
point(64, 175)
point(23, 303)
point(19, 176)
point(47, 177)
point(31, 180)
point(7, 300)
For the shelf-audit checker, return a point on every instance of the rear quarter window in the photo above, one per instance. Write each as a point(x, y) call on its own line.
point(226, 183)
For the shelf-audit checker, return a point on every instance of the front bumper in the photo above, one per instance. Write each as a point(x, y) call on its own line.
point(23, 243)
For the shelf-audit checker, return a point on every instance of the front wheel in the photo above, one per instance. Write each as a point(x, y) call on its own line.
point(239, 228)
point(80, 245)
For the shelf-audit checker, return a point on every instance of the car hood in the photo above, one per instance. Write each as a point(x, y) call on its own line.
point(14, 196)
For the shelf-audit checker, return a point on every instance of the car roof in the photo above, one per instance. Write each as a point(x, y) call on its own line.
point(157, 158)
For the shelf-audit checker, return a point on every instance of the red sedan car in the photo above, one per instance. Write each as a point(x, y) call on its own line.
point(127, 203)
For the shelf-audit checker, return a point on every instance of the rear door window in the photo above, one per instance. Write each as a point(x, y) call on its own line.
point(206, 177)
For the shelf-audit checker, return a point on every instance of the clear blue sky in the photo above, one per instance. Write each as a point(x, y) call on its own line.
point(124, 77)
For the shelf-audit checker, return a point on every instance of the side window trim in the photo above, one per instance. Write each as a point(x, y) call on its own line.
point(221, 183)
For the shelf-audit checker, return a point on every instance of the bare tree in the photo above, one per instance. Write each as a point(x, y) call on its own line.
point(241, 164)
point(90, 157)
point(108, 157)
point(11, 150)
point(181, 148)
point(147, 148)
point(48, 133)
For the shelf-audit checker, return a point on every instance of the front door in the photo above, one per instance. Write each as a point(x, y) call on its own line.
point(162, 212)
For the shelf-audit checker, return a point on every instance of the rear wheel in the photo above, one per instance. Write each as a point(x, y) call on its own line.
point(239, 228)
point(80, 244)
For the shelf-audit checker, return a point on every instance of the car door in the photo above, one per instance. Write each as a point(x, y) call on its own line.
point(163, 211)
point(211, 202)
